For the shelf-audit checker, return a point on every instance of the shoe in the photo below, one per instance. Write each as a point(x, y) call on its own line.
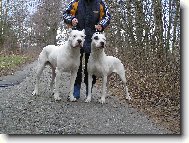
point(76, 93)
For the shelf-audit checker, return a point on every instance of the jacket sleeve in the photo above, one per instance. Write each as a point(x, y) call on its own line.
point(67, 15)
point(105, 21)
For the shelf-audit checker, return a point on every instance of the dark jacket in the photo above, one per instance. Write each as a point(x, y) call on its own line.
point(88, 15)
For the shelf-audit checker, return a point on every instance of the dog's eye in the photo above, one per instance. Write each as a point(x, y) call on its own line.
point(96, 37)
point(74, 36)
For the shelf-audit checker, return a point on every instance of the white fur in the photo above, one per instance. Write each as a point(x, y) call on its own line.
point(64, 58)
point(102, 66)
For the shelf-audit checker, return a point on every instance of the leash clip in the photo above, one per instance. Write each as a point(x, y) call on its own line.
point(74, 28)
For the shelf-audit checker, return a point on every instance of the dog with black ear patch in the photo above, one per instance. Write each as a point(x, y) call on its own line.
point(101, 65)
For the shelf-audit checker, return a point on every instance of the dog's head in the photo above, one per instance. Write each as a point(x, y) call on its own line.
point(76, 38)
point(98, 40)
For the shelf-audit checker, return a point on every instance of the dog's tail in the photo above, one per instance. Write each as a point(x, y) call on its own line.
point(43, 55)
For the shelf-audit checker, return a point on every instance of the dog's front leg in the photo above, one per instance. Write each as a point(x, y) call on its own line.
point(57, 83)
point(53, 77)
point(89, 88)
point(73, 77)
point(104, 81)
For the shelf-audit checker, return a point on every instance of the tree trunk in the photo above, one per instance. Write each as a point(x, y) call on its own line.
point(176, 23)
point(167, 48)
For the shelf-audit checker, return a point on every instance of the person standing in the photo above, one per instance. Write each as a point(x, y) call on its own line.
point(91, 15)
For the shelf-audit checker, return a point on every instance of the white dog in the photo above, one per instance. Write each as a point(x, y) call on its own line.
point(65, 58)
point(102, 66)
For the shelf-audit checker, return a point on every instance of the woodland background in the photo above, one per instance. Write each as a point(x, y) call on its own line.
point(144, 34)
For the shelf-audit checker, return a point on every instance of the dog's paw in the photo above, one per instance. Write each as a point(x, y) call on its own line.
point(128, 97)
point(88, 100)
point(57, 97)
point(35, 93)
point(102, 100)
point(72, 99)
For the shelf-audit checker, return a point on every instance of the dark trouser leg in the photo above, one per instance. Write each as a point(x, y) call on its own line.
point(79, 73)
point(86, 74)
point(78, 80)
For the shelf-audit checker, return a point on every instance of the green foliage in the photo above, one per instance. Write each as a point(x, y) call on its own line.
point(11, 61)
point(7, 63)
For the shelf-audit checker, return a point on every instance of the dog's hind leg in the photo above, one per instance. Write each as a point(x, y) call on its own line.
point(89, 88)
point(57, 83)
point(107, 84)
point(72, 81)
point(39, 72)
point(121, 74)
point(104, 81)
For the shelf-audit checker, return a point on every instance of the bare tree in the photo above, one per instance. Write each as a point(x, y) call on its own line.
point(46, 21)
point(148, 45)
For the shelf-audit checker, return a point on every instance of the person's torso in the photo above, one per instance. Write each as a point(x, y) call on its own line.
point(88, 14)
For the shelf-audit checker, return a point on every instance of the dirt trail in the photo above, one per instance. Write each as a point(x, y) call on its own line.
point(22, 113)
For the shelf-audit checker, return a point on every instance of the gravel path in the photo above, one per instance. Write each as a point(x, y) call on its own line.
point(22, 113)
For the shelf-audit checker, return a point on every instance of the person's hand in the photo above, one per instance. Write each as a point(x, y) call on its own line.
point(74, 21)
point(98, 27)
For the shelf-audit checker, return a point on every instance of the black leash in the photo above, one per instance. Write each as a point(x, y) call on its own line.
point(74, 28)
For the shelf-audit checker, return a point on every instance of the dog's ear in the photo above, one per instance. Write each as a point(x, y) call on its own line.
point(83, 31)
point(93, 36)
point(69, 31)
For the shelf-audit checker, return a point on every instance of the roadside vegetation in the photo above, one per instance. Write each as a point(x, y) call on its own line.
point(12, 62)
point(148, 43)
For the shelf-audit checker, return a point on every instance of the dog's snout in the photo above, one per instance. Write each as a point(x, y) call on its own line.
point(102, 43)
point(79, 41)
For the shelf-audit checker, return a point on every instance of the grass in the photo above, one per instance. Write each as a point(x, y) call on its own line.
point(12, 61)
point(8, 63)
